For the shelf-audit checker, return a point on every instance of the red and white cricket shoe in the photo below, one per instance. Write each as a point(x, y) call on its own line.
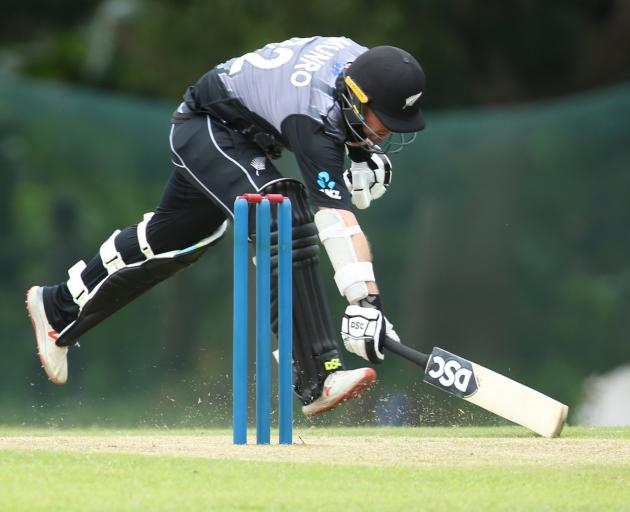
point(54, 359)
point(341, 386)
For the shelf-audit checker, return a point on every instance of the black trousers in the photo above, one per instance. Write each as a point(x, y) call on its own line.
point(212, 165)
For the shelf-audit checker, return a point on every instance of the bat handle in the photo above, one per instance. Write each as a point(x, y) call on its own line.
point(407, 352)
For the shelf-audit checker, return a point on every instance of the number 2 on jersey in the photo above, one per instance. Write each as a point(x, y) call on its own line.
point(282, 56)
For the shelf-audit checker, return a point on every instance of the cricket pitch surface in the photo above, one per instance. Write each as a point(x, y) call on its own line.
point(428, 447)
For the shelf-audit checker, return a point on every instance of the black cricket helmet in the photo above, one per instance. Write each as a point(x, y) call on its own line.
point(391, 82)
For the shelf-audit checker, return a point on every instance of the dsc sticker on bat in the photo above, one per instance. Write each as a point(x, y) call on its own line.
point(451, 373)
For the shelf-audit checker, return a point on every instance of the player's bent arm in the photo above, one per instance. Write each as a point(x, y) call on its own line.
point(360, 243)
point(364, 327)
point(349, 252)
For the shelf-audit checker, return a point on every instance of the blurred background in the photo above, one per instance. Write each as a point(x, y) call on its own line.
point(504, 237)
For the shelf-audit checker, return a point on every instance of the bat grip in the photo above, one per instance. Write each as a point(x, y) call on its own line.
point(407, 352)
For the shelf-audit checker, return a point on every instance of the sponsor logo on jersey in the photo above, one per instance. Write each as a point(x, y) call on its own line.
point(327, 186)
point(258, 164)
point(451, 373)
point(338, 68)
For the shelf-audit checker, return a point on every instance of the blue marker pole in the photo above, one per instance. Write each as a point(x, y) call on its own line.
point(239, 356)
point(285, 321)
point(263, 322)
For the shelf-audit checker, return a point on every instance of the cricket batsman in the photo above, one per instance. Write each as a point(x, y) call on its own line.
point(321, 98)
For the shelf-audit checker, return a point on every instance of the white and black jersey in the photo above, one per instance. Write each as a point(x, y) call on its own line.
point(280, 96)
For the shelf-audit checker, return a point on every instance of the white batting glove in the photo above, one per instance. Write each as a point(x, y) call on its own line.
point(368, 180)
point(362, 330)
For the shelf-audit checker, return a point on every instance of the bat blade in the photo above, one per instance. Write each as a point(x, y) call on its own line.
point(518, 403)
point(488, 389)
point(495, 393)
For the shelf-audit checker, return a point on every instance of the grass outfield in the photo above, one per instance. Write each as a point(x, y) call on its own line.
point(451, 469)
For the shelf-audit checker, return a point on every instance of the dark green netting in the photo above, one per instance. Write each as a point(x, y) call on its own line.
point(504, 237)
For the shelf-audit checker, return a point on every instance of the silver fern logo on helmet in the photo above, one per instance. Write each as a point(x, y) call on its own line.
point(411, 100)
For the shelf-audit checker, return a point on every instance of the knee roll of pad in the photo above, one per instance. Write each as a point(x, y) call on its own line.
point(124, 282)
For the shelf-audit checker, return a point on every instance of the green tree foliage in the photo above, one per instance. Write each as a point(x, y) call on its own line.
point(474, 52)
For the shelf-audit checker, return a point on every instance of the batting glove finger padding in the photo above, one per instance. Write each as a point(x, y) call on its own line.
point(362, 330)
point(368, 180)
point(358, 179)
point(382, 168)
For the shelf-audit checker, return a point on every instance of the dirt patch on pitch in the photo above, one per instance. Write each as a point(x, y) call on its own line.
point(373, 450)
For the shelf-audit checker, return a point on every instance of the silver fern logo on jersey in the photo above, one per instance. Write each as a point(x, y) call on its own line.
point(258, 164)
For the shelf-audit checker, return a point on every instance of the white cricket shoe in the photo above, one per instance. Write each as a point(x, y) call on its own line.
point(341, 386)
point(54, 359)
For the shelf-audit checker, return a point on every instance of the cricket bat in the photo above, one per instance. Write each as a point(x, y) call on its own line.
point(487, 389)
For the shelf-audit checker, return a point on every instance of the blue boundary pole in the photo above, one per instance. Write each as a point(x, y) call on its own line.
point(285, 321)
point(240, 317)
point(263, 322)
